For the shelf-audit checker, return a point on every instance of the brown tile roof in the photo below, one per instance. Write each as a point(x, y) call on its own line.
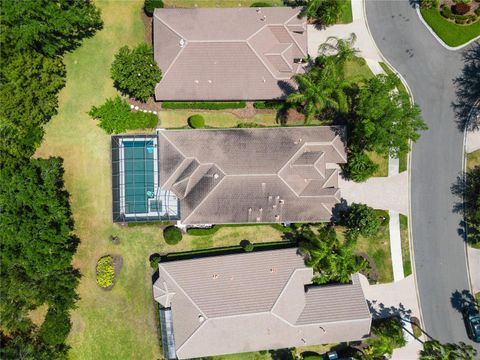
point(228, 54)
point(256, 301)
point(253, 175)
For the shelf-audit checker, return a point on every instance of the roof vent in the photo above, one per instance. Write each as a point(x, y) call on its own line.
point(196, 81)
point(182, 43)
point(281, 201)
point(209, 81)
point(264, 17)
point(215, 276)
point(215, 176)
point(273, 270)
point(201, 318)
point(259, 10)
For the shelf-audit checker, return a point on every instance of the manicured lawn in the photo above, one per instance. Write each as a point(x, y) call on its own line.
point(452, 34)
point(403, 162)
point(357, 70)
point(407, 265)
point(377, 248)
point(345, 16)
point(381, 161)
point(473, 159)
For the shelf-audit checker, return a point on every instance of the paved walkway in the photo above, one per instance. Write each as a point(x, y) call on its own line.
point(474, 264)
point(473, 141)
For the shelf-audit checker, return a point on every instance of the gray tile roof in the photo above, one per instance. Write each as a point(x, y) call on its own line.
point(228, 54)
point(254, 301)
point(253, 175)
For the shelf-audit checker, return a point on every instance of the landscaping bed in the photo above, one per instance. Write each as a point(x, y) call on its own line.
point(108, 269)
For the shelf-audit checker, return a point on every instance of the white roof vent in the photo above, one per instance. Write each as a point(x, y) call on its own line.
point(201, 318)
point(182, 43)
point(215, 176)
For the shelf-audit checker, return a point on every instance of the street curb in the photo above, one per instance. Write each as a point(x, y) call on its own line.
point(454, 48)
point(410, 222)
point(464, 173)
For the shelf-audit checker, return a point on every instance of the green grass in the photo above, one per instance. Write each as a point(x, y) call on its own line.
point(217, 3)
point(473, 159)
point(477, 297)
point(345, 16)
point(119, 324)
point(403, 162)
point(381, 161)
point(357, 71)
point(452, 34)
point(404, 236)
point(377, 247)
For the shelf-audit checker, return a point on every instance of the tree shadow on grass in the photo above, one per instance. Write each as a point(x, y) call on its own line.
point(468, 90)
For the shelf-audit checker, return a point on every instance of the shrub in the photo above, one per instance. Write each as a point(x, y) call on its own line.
point(149, 6)
point(105, 271)
point(268, 104)
point(429, 4)
point(461, 8)
point(155, 260)
point(261, 4)
point(248, 125)
point(359, 167)
point(446, 12)
point(116, 117)
point(360, 219)
point(172, 235)
point(477, 11)
point(203, 231)
point(196, 121)
point(246, 245)
point(204, 105)
point(55, 327)
point(135, 72)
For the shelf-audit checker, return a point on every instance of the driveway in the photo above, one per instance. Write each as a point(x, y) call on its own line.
point(439, 250)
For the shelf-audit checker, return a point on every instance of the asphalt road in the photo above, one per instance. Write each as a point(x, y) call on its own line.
point(439, 250)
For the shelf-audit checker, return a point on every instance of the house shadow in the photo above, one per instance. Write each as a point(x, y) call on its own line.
point(467, 88)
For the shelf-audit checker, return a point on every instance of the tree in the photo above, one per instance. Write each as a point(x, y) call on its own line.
point(342, 49)
point(49, 27)
point(434, 350)
point(385, 120)
point(36, 241)
point(359, 167)
point(319, 89)
point(387, 335)
point(135, 72)
point(324, 12)
point(55, 327)
point(360, 219)
point(330, 260)
point(472, 204)
point(149, 6)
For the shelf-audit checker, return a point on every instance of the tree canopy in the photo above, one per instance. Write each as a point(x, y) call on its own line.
point(360, 219)
point(434, 350)
point(387, 335)
point(472, 204)
point(324, 12)
point(135, 72)
point(385, 119)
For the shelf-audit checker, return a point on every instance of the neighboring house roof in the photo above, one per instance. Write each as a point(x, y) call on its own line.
point(255, 301)
point(228, 54)
point(253, 175)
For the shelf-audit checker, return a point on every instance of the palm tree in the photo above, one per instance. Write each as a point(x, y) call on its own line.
point(319, 89)
point(311, 9)
point(434, 350)
point(341, 49)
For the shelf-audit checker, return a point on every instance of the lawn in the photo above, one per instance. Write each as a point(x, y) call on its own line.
point(381, 161)
point(376, 247)
point(357, 70)
point(473, 159)
point(404, 236)
point(119, 324)
point(217, 3)
point(452, 34)
point(345, 16)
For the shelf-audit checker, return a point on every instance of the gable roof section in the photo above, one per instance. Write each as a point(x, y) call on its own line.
point(253, 175)
point(256, 301)
point(226, 54)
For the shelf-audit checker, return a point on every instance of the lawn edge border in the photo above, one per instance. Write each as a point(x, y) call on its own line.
point(438, 38)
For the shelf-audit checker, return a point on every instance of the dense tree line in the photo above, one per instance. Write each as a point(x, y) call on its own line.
point(36, 239)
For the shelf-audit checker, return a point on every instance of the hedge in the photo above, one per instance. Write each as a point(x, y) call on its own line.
point(268, 104)
point(261, 4)
point(105, 271)
point(248, 125)
point(172, 235)
point(55, 327)
point(116, 117)
point(196, 121)
point(204, 105)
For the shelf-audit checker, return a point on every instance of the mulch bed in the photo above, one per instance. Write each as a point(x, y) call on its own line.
point(117, 264)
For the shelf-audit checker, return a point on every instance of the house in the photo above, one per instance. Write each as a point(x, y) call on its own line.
point(228, 54)
point(228, 176)
point(253, 301)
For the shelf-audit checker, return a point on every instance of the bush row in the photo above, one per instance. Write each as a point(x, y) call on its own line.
point(268, 104)
point(204, 105)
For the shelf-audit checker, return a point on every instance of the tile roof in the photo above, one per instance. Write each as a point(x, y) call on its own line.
point(228, 54)
point(253, 175)
point(255, 301)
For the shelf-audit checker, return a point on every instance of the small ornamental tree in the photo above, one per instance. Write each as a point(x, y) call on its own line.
point(135, 72)
point(196, 121)
point(359, 167)
point(461, 8)
point(55, 327)
point(172, 235)
point(246, 245)
point(361, 219)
